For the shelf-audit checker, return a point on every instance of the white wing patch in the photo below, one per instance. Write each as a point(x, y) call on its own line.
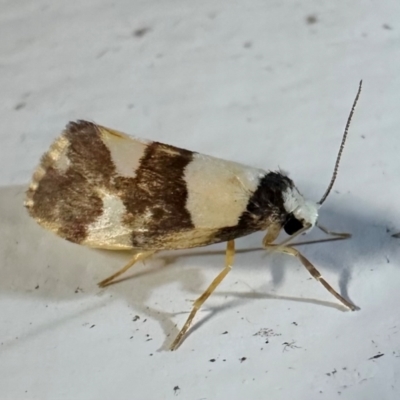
point(126, 151)
point(58, 153)
point(109, 231)
point(218, 190)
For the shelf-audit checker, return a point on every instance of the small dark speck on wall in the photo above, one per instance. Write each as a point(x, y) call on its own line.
point(141, 32)
point(176, 390)
point(20, 106)
point(311, 19)
point(379, 355)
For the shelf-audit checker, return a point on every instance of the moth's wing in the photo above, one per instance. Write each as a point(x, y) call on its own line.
point(73, 191)
point(102, 188)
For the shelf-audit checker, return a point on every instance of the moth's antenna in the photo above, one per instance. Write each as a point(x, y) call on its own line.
point(346, 131)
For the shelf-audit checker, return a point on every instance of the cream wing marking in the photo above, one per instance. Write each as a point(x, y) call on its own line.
point(59, 155)
point(109, 231)
point(126, 151)
point(218, 190)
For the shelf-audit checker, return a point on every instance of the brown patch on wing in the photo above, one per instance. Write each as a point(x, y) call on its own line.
point(66, 201)
point(88, 154)
point(155, 199)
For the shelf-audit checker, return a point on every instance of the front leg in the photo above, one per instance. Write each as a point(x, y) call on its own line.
point(272, 234)
point(313, 271)
point(338, 235)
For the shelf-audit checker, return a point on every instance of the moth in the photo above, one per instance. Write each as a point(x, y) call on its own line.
point(104, 189)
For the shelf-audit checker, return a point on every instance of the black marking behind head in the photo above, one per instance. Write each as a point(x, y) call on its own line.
point(265, 207)
point(346, 131)
point(267, 201)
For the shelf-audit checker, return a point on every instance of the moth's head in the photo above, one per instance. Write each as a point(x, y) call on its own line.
point(301, 213)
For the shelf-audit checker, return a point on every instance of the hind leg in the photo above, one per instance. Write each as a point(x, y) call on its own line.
point(137, 257)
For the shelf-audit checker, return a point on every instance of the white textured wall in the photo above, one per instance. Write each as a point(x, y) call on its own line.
point(265, 83)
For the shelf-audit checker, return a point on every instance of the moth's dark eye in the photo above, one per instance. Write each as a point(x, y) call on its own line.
point(292, 225)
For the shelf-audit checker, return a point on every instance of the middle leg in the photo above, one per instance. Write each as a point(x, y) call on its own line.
point(229, 258)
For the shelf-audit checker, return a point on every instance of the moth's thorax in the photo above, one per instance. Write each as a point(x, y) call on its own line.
point(303, 210)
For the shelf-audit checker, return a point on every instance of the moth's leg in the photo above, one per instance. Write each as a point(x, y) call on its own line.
point(229, 257)
point(336, 236)
point(314, 272)
point(342, 235)
point(272, 234)
point(137, 257)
